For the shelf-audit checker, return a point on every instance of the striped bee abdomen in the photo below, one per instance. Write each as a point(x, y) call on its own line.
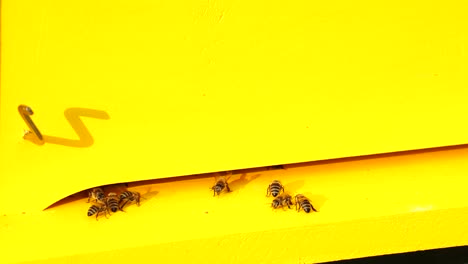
point(304, 203)
point(275, 188)
point(93, 210)
point(96, 210)
point(128, 196)
point(112, 202)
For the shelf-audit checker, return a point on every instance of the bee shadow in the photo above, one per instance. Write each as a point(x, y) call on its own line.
point(242, 181)
point(148, 196)
point(292, 187)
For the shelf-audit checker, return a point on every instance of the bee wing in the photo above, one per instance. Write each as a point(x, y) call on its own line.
point(148, 194)
point(285, 194)
point(217, 176)
point(228, 175)
point(294, 186)
point(308, 195)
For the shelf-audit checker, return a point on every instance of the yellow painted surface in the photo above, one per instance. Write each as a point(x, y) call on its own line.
point(373, 206)
point(128, 91)
point(135, 90)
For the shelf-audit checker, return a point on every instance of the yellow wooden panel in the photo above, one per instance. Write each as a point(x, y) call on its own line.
point(367, 207)
point(168, 88)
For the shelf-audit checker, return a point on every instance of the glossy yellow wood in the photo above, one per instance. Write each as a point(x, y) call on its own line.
point(374, 206)
point(172, 88)
point(125, 91)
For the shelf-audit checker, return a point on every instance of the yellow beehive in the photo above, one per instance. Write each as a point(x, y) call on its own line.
point(142, 92)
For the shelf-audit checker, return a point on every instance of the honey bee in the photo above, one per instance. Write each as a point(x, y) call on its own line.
point(112, 202)
point(128, 196)
point(220, 186)
point(281, 201)
point(96, 195)
point(275, 188)
point(97, 209)
point(304, 203)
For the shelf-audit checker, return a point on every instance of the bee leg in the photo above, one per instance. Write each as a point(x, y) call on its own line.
point(229, 177)
point(313, 208)
point(105, 213)
point(227, 187)
point(282, 188)
point(138, 200)
point(123, 205)
point(268, 190)
point(295, 199)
